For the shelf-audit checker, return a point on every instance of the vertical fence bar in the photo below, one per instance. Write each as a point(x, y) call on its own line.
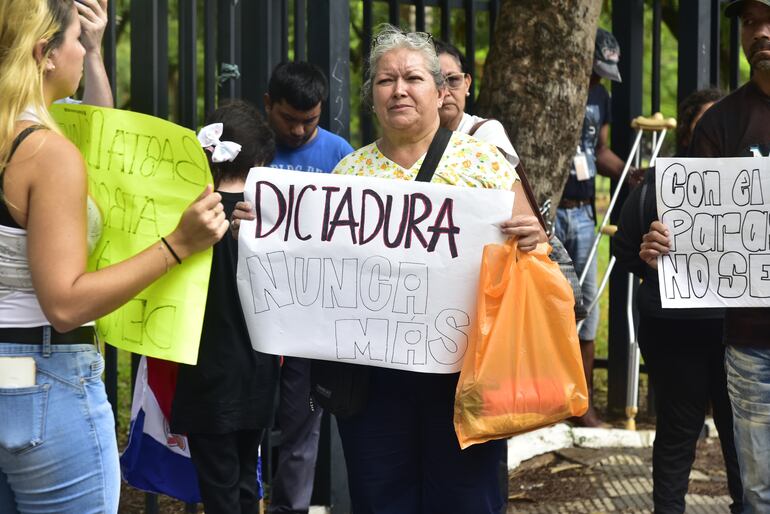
point(446, 21)
point(110, 50)
point(365, 114)
point(111, 66)
point(265, 39)
point(149, 58)
point(656, 22)
point(419, 9)
point(111, 379)
point(494, 11)
point(735, 54)
point(300, 27)
point(694, 47)
point(149, 95)
point(628, 27)
point(394, 12)
point(285, 30)
point(228, 47)
point(330, 50)
point(188, 68)
point(470, 52)
point(716, 38)
point(209, 56)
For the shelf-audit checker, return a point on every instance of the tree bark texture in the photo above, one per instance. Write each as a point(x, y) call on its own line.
point(536, 83)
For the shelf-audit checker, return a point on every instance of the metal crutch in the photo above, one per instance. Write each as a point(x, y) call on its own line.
point(655, 124)
point(658, 127)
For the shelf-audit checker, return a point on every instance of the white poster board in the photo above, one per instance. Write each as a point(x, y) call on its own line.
point(364, 270)
point(717, 214)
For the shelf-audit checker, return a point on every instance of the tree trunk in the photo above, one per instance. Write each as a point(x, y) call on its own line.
point(536, 83)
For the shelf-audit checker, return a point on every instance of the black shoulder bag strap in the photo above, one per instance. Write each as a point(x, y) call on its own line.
point(435, 152)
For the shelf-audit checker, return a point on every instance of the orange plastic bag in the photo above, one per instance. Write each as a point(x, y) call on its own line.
point(522, 369)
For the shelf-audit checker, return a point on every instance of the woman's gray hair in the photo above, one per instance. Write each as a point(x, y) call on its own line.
point(391, 38)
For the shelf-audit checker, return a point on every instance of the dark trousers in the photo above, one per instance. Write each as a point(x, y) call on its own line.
point(292, 485)
point(403, 456)
point(685, 359)
point(227, 470)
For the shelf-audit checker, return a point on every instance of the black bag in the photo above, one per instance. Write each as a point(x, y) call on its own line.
point(341, 388)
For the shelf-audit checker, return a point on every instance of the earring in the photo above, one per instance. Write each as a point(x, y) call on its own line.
point(49, 66)
point(467, 93)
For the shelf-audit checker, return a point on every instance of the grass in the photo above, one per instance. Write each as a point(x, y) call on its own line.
point(602, 202)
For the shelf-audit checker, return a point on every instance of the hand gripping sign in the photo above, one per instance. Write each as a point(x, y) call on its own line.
point(364, 270)
point(717, 214)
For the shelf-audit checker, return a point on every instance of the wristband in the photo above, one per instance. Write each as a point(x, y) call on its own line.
point(173, 253)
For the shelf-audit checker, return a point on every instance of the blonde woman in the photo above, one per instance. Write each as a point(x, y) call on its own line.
point(58, 451)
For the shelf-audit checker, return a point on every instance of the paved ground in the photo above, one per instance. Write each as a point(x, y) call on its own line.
point(579, 475)
point(610, 480)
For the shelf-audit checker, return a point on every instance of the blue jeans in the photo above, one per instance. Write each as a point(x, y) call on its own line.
point(576, 229)
point(58, 451)
point(748, 382)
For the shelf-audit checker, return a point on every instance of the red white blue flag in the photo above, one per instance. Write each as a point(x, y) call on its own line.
point(156, 460)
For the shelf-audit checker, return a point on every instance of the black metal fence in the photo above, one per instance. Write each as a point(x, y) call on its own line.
point(228, 48)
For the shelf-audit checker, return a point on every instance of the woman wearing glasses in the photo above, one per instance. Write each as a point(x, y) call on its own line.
point(452, 111)
point(401, 449)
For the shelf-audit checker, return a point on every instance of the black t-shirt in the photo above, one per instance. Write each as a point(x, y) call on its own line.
point(598, 113)
point(738, 126)
point(232, 387)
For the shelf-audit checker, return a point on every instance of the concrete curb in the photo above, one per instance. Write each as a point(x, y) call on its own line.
point(562, 435)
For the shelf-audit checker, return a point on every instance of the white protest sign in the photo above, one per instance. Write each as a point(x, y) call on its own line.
point(717, 214)
point(364, 270)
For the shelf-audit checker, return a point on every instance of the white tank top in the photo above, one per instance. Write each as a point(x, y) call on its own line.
point(18, 303)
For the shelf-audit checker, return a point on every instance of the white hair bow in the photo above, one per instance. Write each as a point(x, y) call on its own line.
point(221, 151)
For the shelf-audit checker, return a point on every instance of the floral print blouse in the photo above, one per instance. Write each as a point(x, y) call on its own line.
point(467, 162)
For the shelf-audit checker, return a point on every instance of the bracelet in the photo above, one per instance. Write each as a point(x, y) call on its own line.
point(162, 249)
point(173, 253)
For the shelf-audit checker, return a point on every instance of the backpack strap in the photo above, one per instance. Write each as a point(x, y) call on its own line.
point(435, 152)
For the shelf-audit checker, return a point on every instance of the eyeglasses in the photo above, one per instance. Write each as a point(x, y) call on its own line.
point(455, 81)
point(420, 37)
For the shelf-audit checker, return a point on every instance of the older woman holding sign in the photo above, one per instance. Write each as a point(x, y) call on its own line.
point(401, 450)
point(58, 451)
